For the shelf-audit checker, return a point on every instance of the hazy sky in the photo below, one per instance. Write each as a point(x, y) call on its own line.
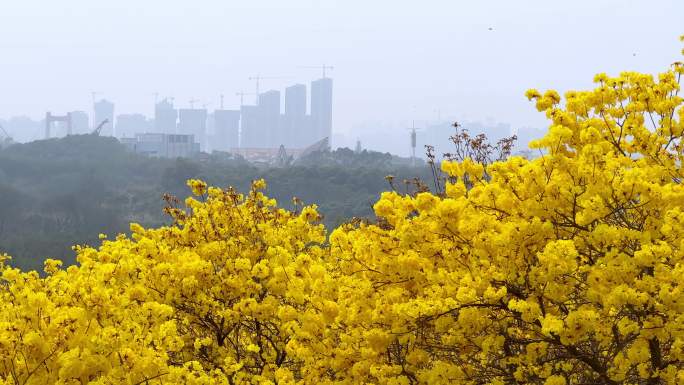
point(394, 60)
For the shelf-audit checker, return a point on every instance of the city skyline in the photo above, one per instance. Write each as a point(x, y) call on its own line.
point(262, 126)
point(470, 60)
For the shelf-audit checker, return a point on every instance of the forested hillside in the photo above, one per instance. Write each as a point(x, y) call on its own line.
point(60, 192)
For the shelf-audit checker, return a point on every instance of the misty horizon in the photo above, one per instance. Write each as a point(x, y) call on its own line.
point(393, 62)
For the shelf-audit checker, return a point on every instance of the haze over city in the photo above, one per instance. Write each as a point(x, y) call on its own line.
point(394, 61)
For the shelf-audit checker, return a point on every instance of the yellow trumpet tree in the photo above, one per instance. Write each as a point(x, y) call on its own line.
point(565, 269)
point(212, 298)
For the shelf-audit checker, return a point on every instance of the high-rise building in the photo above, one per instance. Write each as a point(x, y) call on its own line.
point(226, 129)
point(127, 125)
point(269, 119)
point(249, 127)
point(165, 117)
point(295, 100)
point(294, 123)
point(321, 109)
point(104, 110)
point(80, 122)
point(193, 121)
point(296, 130)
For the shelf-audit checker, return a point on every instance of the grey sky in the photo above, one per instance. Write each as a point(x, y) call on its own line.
point(394, 60)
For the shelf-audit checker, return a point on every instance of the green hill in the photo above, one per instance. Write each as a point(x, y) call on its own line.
point(59, 192)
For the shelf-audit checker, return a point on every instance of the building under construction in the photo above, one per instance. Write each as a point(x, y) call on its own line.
point(165, 117)
point(226, 129)
point(104, 111)
point(321, 108)
point(263, 126)
point(261, 129)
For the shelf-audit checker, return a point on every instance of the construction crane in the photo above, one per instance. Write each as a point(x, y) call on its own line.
point(8, 139)
point(5, 132)
point(94, 96)
point(242, 97)
point(98, 129)
point(257, 78)
point(321, 67)
point(282, 158)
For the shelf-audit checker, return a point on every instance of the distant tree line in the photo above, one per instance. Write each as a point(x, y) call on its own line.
point(61, 192)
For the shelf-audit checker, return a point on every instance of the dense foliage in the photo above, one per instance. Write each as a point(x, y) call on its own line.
point(60, 192)
point(561, 270)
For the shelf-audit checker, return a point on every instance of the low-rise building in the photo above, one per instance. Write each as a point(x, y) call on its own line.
point(163, 145)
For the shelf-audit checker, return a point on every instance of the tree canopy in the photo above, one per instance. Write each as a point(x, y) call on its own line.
point(60, 192)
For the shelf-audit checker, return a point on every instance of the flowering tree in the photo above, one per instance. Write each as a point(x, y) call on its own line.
point(210, 299)
point(565, 269)
point(561, 270)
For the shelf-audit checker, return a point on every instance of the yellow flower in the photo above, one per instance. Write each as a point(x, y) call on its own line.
point(259, 184)
point(197, 187)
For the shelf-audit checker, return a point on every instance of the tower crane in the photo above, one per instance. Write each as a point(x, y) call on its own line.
point(8, 138)
point(5, 132)
point(242, 97)
point(321, 67)
point(257, 78)
point(94, 96)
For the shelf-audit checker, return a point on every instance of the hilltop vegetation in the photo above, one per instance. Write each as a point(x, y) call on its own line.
point(60, 192)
